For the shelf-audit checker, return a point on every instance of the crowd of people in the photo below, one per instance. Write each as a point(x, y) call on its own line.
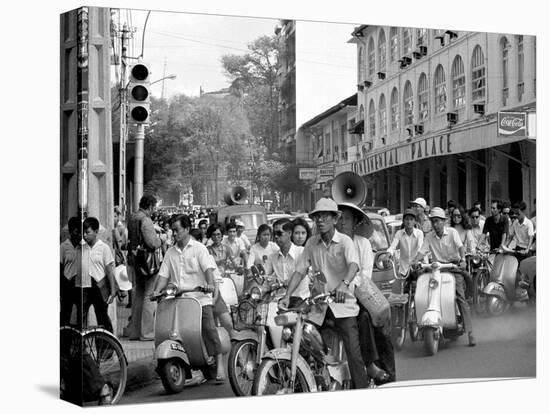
point(192, 252)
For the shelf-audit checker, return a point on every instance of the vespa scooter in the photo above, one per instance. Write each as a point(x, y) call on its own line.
point(179, 347)
point(255, 331)
point(501, 291)
point(437, 313)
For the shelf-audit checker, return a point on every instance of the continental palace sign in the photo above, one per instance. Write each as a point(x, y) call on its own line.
point(418, 150)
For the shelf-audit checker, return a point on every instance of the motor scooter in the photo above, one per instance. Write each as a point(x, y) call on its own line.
point(501, 291)
point(255, 331)
point(179, 346)
point(437, 312)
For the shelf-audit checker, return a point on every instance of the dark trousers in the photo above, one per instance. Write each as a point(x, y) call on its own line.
point(142, 322)
point(376, 345)
point(210, 332)
point(461, 300)
point(92, 297)
point(348, 331)
point(67, 295)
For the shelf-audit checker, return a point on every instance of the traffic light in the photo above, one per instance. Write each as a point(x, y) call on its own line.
point(138, 93)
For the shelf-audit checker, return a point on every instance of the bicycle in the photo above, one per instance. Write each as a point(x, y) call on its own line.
point(92, 361)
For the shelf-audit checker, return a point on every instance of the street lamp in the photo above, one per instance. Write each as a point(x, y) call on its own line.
point(166, 77)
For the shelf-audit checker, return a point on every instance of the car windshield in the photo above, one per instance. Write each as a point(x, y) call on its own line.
point(250, 220)
point(379, 239)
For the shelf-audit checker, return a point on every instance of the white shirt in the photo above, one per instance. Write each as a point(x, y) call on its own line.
point(408, 247)
point(94, 261)
point(365, 256)
point(187, 268)
point(522, 231)
point(259, 254)
point(284, 266)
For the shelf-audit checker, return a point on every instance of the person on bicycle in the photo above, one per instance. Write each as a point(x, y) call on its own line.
point(446, 247)
point(187, 265)
point(334, 255)
point(408, 241)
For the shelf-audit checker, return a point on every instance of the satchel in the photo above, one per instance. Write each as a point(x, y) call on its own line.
point(147, 261)
point(374, 301)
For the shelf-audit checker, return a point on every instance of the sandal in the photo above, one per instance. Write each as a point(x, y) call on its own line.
point(379, 376)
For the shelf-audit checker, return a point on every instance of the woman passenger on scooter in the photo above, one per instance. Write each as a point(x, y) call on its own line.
point(263, 247)
point(376, 346)
point(461, 223)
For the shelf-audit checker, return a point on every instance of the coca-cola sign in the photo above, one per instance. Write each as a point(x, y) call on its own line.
point(512, 124)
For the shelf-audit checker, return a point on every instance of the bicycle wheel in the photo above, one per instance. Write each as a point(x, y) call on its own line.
point(70, 342)
point(105, 351)
point(480, 281)
point(242, 366)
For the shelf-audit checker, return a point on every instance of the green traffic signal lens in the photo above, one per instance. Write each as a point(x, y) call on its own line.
point(140, 93)
point(140, 72)
point(139, 114)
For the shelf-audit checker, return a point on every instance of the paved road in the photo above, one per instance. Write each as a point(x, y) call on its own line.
point(505, 348)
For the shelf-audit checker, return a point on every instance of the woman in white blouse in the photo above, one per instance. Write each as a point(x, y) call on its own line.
point(263, 247)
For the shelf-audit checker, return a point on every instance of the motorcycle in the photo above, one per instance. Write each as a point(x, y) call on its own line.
point(402, 306)
point(255, 331)
point(479, 266)
point(437, 312)
point(501, 291)
point(307, 361)
point(179, 346)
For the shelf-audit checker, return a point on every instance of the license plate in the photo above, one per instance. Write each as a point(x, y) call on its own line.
point(177, 347)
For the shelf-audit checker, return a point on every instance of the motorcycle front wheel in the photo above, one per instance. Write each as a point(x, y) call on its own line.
point(480, 281)
point(273, 377)
point(242, 366)
point(431, 341)
point(172, 375)
point(495, 306)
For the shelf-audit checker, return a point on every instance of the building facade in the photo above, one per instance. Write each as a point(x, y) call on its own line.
point(434, 111)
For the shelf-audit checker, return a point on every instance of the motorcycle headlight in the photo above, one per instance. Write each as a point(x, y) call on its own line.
point(381, 262)
point(476, 260)
point(288, 318)
point(286, 335)
point(433, 283)
point(171, 290)
point(255, 293)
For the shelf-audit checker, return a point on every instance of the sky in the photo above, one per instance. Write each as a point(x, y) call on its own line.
point(191, 46)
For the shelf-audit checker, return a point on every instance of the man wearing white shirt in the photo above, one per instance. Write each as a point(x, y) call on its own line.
point(408, 241)
point(282, 263)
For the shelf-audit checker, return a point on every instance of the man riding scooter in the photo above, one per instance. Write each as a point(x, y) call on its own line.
point(522, 232)
point(446, 247)
point(187, 265)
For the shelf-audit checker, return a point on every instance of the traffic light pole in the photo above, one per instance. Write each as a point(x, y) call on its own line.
point(138, 165)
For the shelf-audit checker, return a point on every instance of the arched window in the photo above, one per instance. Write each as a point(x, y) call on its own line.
point(423, 98)
point(459, 82)
point(361, 64)
point(382, 116)
point(372, 120)
point(521, 64)
point(504, 48)
point(394, 108)
point(394, 44)
point(361, 113)
point(422, 37)
point(408, 116)
point(371, 57)
point(407, 41)
point(382, 51)
point(440, 91)
point(478, 75)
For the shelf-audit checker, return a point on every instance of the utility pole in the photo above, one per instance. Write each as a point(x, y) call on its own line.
point(138, 165)
point(163, 79)
point(123, 123)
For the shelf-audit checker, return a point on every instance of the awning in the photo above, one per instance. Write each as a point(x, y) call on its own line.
point(358, 127)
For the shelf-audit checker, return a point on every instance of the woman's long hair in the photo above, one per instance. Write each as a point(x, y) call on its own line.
point(465, 222)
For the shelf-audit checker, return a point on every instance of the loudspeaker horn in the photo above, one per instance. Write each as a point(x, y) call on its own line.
point(236, 195)
point(348, 187)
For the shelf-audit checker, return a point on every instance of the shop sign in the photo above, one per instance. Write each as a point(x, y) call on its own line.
point(512, 124)
point(325, 173)
point(308, 174)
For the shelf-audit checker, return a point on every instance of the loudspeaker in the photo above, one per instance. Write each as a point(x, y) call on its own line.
point(236, 195)
point(349, 187)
